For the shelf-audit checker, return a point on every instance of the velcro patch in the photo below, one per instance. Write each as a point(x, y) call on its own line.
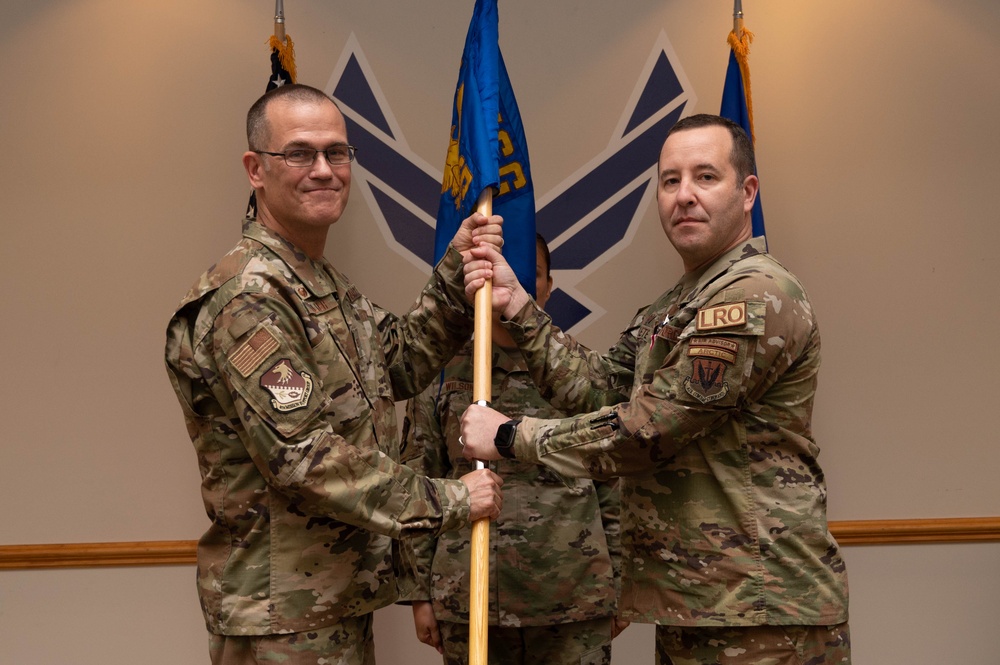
point(711, 347)
point(728, 315)
point(289, 389)
point(707, 381)
point(251, 353)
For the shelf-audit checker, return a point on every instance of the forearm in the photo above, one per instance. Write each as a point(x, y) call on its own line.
point(571, 377)
point(418, 344)
point(629, 439)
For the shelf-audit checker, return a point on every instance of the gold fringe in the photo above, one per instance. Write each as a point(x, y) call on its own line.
point(741, 47)
point(286, 53)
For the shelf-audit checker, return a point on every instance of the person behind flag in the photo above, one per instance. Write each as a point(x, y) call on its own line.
point(286, 375)
point(554, 548)
point(703, 409)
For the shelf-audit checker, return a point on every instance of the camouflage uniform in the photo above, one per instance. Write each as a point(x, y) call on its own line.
point(554, 549)
point(703, 408)
point(287, 376)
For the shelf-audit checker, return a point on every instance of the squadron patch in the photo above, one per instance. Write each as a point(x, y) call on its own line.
point(706, 383)
point(728, 315)
point(711, 347)
point(289, 389)
point(251, 353)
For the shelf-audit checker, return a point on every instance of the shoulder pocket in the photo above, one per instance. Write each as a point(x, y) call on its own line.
point(281, 387)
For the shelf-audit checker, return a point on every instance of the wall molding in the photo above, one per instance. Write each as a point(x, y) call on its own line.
point(172, 552)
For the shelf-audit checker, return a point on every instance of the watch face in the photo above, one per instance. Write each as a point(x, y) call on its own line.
point(505, 435)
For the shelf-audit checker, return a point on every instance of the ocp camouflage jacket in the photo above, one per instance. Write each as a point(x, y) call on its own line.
point(287, 376)
point(554, 549)
point(723, 499)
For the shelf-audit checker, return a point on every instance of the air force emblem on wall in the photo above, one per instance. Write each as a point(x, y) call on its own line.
point(586, 219)
point(289, 389)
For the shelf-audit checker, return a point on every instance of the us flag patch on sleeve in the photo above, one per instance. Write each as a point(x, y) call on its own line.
point(251, 353)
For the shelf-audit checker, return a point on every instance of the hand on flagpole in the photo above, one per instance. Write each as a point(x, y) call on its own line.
point(485, 497)
point(479, 428)
point(484, 263)
point(476, 230)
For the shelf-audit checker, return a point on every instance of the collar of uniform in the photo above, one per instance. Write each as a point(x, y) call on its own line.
point(744, 250)
point(309, 272)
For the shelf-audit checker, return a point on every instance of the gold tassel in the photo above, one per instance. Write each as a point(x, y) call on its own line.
point(741, 47)
point(286, 54)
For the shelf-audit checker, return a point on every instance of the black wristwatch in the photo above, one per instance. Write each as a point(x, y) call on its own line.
point(504, 440)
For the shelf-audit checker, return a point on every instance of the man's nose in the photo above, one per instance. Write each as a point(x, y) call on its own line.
point(685, 193)
point(321, 168)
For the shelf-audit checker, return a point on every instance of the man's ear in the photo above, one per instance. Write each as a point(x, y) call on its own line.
point(254, 165)
point(751, 186)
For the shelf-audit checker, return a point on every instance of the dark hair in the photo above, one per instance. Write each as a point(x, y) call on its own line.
point(542, 245)
point(258, 130)
point(742, 154)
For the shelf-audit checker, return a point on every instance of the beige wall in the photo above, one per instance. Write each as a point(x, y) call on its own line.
point(121, 131)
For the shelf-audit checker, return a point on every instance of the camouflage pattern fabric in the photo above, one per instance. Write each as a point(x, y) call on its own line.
point(554, 550)
point(757, 645)
point(723, 500)
point(576, 643)
point(348, 642)
point(287, 375)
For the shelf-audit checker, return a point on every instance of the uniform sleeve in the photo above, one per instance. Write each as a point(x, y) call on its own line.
point(424, 451)
point(709, 375)
point(307, 424)
point(438, 324)
point(608, 497)
point(571, 377)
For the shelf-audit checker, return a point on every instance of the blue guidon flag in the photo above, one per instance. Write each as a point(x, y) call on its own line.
point(737, 103)
point(488, 149)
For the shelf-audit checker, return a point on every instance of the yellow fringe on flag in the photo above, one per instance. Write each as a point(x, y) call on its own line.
point(741, 48)
point(286, 53)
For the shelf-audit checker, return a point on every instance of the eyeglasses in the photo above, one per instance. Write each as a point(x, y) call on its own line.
point(301, 157)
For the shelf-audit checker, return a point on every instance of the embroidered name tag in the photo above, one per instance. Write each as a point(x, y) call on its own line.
point(729, 315)
point(455, 385)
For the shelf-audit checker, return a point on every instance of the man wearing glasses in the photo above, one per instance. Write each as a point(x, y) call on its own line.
point(287, 376)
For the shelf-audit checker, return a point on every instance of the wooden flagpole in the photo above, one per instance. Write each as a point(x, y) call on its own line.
point(482, 388)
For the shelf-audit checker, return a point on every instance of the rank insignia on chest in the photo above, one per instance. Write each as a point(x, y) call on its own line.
point(728, 315)
point(289, 389)
point(706, 383)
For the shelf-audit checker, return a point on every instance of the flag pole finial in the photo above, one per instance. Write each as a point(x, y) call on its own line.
point(738, 17)
point(279, 20)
